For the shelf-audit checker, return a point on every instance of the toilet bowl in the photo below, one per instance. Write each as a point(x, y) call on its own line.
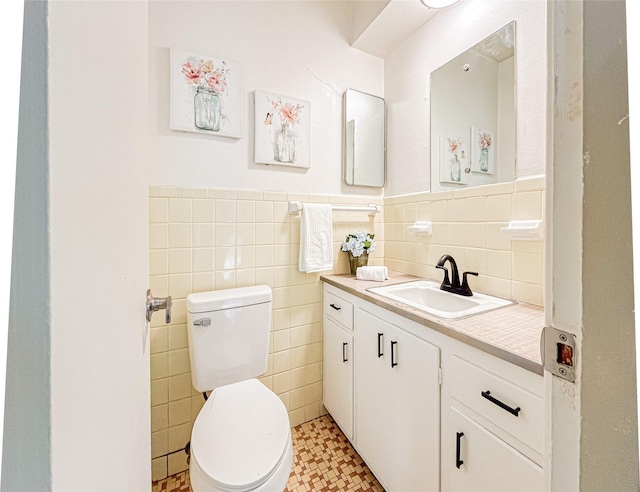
point(241, 441)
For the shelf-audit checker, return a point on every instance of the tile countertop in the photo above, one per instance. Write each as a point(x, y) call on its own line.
point(511, 333)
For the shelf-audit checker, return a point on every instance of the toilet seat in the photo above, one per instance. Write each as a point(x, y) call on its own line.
point(241, 437)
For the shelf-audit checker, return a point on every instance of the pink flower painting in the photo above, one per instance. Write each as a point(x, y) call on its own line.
point(452, 160)
point(282, 130)
point(205, 94)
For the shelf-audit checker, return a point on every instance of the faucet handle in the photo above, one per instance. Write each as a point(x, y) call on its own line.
point(465, 289)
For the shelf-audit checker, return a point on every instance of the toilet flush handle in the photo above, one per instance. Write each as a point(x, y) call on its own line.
point(156, 303)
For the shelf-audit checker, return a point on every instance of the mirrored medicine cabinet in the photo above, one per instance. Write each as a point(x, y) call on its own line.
point(364, 141)
point(473, 130)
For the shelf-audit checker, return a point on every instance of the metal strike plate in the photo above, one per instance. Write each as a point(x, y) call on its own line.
point(558, 352)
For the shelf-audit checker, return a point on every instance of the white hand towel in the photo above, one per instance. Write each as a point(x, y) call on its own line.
point(376, 273)
point(316, 238)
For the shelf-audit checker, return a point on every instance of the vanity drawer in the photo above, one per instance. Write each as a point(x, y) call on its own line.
point(338, 309)
point(504, 403)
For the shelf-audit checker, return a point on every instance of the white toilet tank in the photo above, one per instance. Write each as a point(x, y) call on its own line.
point(228, 335)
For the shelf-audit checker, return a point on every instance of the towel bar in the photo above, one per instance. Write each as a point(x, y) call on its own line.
point(296, 207)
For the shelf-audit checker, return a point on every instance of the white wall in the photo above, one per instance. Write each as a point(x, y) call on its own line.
point(299, 49)
point(449, 33)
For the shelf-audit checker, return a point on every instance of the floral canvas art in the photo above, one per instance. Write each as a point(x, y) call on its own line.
point(282, 130)
point(482, 151)
point(205, 94)
point(453, 161)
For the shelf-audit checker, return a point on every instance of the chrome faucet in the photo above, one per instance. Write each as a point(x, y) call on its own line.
point(454, 285)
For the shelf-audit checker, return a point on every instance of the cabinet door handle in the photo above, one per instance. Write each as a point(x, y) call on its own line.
point(337, 308)
point(504, 406)
point(380, 354)
point(344, 352)
point(393, 361)
point(459, 462)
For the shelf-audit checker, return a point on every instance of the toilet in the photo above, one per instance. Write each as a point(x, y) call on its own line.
point(241, 439)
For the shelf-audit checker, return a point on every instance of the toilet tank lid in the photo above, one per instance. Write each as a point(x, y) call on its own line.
point(218, 300)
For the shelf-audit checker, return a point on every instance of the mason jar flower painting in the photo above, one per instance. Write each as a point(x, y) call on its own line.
point(205, 95)
point(452, 161)
point(282, 130)
point(210, 83)
point(483, 145)
point(284, 141)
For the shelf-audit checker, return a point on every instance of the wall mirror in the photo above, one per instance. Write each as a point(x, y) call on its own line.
point(473, 134)
point(364, 142)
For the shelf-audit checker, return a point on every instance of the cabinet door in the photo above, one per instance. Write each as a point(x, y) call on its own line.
point(480, 461)
point(414, 459)
point(397, 405)
point(338, 375)
point(372, 393)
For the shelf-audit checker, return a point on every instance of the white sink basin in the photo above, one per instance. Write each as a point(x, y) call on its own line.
point(427, 296)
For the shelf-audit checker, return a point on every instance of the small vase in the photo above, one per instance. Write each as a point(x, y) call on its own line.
point(206, 109)
point(484, 160)
point(357, 261)
point(455, 168)
point(284, 144)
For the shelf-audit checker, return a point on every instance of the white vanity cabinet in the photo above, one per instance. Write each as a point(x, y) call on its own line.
point(425, 411)
point(337, 366)
point(397, 404)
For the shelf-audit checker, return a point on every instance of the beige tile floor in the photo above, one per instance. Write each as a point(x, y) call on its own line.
point(323, 460)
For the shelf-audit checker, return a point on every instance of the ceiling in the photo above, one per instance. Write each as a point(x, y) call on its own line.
point(380, 26)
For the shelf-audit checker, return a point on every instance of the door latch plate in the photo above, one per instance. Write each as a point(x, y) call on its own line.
point(558, 352)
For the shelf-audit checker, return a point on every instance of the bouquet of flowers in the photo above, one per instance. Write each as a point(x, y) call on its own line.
point(454, 145)
point(287, 112)
point(485, 140)
point(359, 243)
point(203, 73)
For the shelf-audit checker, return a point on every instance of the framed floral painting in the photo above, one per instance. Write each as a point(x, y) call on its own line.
point(482, 151)
point(453, 161)
point(205, 94)
point(282, 130)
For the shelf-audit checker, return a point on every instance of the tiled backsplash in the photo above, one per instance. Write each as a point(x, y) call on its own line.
point(202, 239)
point(466, 225)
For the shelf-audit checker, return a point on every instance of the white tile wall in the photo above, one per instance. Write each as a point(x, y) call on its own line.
point(216, 239)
